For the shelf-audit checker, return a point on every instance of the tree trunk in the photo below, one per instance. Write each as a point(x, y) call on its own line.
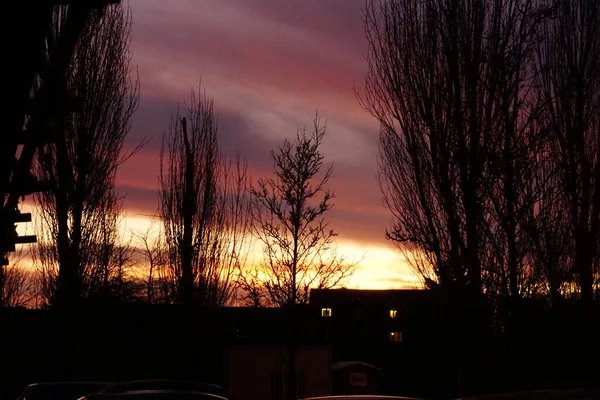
point(68, 286)
point(187, 274)
point(291, 353)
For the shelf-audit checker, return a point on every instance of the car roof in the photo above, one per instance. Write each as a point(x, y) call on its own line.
point(360, 396)
point(163, 384)
point(64, 390)
point(69, 383)
point(154, 394)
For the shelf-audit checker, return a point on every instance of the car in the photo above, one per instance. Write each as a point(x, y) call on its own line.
point(552, 394)
point(153, 395)
point(360, 397)
point(60, 390)
point(165, 384)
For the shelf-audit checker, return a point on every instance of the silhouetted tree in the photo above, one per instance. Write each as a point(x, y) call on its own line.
point(151, 251)
point(568, 67)
point(289, 210)
point(510, 190)
point(457, 145)
point(105, 267)
point(450, 84)
point(547, 229)
point(18, 286)
point(79, 241)
point(251, 290)
point(114, 272)
point(203, 206)
point(428, 101)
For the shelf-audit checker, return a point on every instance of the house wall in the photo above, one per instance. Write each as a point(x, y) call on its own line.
point(259, 372)
point(345, 380)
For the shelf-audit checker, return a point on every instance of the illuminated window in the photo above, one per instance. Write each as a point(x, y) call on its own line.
point(393, 313)
point(395, 336)
point(326, 312)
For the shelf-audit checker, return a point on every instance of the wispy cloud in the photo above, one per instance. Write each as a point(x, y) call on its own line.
point(270, 65)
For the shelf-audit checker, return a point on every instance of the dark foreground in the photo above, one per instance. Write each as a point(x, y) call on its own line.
point(244, 351)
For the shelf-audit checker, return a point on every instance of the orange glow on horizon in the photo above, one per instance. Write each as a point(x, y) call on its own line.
point(378, 267)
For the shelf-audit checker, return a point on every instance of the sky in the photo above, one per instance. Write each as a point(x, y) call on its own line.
point(270, 65)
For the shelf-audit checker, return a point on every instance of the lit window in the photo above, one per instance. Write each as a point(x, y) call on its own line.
point(393, 313)
point(326, 312)
point(395, 336)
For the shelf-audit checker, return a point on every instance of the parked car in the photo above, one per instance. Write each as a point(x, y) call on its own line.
point(165, 384)
point(153, 395)
point(60, 390)
point(360, 397)
point(552, 394)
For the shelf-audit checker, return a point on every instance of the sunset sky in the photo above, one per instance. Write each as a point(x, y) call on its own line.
point(269, 64)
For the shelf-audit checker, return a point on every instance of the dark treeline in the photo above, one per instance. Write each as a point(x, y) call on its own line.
point(490, 143)
point(489, 162)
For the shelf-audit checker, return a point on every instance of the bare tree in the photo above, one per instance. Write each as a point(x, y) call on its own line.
point(203, 206)
point(510, 180)
point(289, 210)
point(18, 286)
point(251, 289)
point(151, 251)
point(568, 66)
point(112, 278)
point(426, 99)
point(448, 83)
point(547, 229)
point(79, 217)
point(104, 271)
